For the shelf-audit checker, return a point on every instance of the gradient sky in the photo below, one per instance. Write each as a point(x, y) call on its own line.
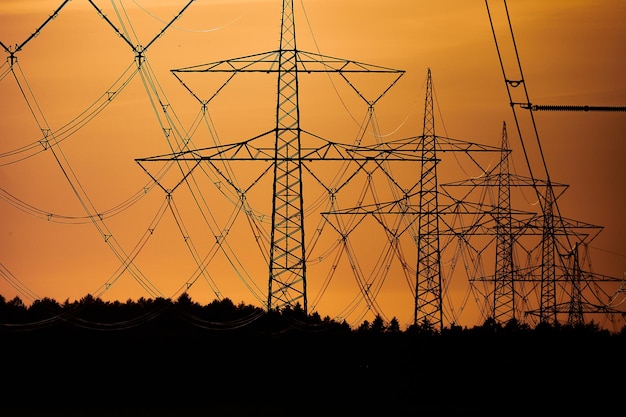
point(572, 53)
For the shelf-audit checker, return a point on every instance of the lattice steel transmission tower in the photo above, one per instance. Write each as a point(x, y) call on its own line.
point(428, 292)
point(576, 305)
point(547, 307)
point(504, 289)
point(287, 283)
point(287, 274)
point(510, 229)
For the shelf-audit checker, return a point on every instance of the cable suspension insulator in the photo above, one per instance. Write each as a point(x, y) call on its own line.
point(538, 107)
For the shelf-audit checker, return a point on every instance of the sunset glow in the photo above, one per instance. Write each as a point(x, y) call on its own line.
point(81, 216)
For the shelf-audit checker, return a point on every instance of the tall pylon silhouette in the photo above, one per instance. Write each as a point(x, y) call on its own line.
point(287, 274)
point(287, 283)
point(504, 290)
point(547, 307)
point(428, 292)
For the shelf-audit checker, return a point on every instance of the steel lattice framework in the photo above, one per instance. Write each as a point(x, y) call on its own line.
point(428, 308)
point(504, 292)
point(287, 270)
point(287, 280)
point(284, 148)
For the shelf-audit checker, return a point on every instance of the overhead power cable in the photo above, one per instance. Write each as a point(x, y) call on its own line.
point(550, 107)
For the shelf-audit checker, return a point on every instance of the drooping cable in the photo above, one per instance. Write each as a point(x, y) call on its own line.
point(17, 284)
point(225, 25)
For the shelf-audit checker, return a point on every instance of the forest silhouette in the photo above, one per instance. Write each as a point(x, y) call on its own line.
point(177, 357)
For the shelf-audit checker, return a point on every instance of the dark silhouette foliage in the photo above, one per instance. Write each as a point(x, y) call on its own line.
point(153, 356)
point(223, 314)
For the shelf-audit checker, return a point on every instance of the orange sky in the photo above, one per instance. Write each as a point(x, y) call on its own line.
point(571, 54)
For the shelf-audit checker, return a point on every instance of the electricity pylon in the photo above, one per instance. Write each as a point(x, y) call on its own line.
point(428, 292)
point(557, 275)
point(287, 274)
point(287, 254)
point(504, 290)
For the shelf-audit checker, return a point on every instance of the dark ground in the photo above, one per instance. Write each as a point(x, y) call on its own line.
point(175, 372)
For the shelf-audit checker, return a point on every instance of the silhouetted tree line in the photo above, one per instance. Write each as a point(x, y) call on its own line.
point(168, 357)
point(94, 313)
point(160, 313)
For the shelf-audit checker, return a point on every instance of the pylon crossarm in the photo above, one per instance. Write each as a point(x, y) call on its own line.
point(262, 62)
point(569, 227)
point(587, 308)
point(514, 181)
point(325, 151)
point(305, 62)
point(313, 62)
point(443, 144)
